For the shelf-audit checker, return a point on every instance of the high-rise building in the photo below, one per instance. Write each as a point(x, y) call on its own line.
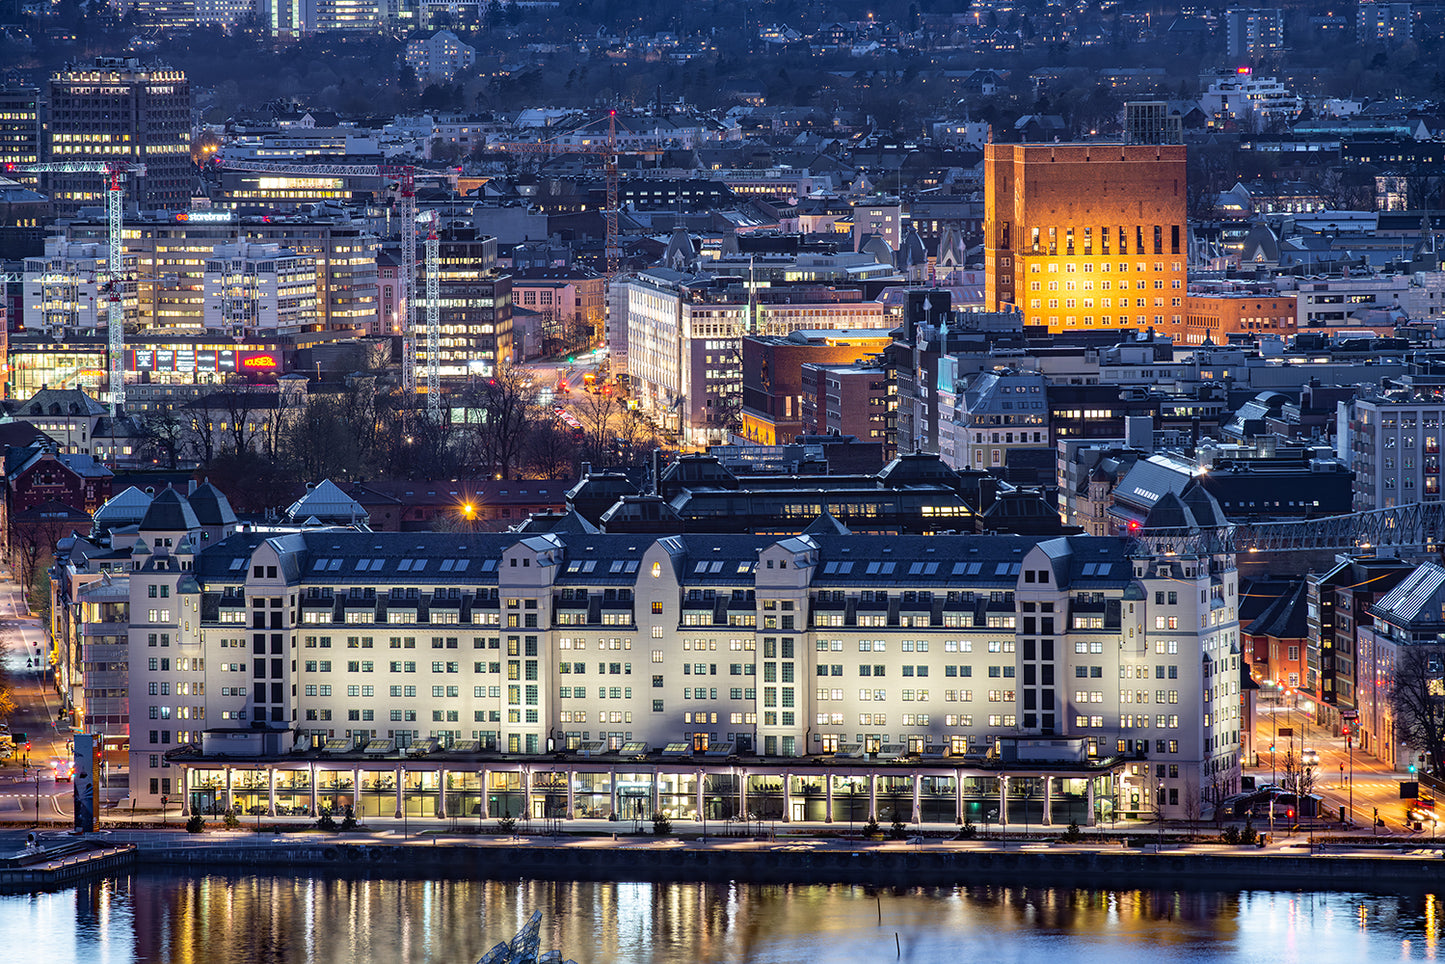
point(1086, 235)
point(260, 289)
point(20, 130)
point(119, 110)
point(476, 307)
point(1253, 33)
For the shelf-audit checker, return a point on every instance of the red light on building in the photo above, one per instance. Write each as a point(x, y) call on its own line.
point(260, 361)
point(1133, 525)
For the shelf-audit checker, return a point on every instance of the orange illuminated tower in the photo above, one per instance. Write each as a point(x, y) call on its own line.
point(1081, 236)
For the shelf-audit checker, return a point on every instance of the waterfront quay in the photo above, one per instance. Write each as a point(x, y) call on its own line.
point(1140, 858)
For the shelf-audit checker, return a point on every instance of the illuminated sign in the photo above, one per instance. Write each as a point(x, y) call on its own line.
point(203, 216)
point(259, 361)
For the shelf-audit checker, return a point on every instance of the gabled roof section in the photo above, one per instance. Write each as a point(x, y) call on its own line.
point(127, 508)
point(327, 503)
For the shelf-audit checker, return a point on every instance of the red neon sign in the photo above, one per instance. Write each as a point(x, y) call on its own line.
point(259, 361)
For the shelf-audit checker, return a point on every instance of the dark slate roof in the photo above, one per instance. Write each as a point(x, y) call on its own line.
point(1287, 617)
point(169, 511)
point(211, 506)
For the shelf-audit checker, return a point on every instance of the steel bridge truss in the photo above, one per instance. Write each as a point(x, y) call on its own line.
point(1412, 528)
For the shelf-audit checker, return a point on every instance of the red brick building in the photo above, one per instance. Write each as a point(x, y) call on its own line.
point(1086, 235)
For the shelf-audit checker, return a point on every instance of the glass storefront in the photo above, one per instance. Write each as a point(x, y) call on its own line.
point(677, 795)
point(464, 794)
point(549, 794)
point(504, 794)
point(335, 791)
point(293, 793)
point(592, 795)
point(809, 797)
point(378, 793)
point(850, 799)
point(634, 796)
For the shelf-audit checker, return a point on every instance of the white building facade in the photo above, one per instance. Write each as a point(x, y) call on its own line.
point(781, 649)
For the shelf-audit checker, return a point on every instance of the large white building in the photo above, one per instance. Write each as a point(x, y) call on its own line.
point(1248, 102)
point(67, 288)
point(515, 646)
point(260, 289)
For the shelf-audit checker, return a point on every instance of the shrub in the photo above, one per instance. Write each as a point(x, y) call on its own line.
point(1073, 834)
point(968, 832)
point(661, 826)
point(1230, 835)
point(507, 825)
point(326, 822)
point(871, 828)
point(231, 820)
point(195, 824)
point(348, 820)
point(899, 830)
point(1248, 835)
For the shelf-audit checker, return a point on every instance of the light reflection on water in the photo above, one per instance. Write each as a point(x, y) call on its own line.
point(250, 919)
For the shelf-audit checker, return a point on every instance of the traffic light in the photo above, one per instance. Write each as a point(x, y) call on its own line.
point(1412, 769)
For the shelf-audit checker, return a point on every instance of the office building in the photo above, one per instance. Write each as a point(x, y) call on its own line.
point(1391, 437)
point(119, 110)
point(1085, 236)
point(19, 131)
point(476, 307)
point(171, 253)
point(259, 290)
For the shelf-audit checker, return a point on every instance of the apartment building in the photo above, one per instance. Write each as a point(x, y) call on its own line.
point(527, 644)
point(1392, 439)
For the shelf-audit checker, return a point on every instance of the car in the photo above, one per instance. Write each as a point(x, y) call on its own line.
point(64, 770)
point(1310, 758)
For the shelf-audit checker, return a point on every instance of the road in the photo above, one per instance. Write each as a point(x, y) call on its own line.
point(1341, 770)
point(36, 706)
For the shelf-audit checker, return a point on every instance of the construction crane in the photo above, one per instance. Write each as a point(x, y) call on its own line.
point(609, 154)
point(115, 172)
point(400, 178)
point(433, 319)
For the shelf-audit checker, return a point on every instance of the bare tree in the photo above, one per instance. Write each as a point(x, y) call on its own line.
point(203, 437)
point(1417, 700)
point(164, 433)
point(319, 442)
point(506, 410)
point(239, 403)
point(552, 450)
point(600, 416)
